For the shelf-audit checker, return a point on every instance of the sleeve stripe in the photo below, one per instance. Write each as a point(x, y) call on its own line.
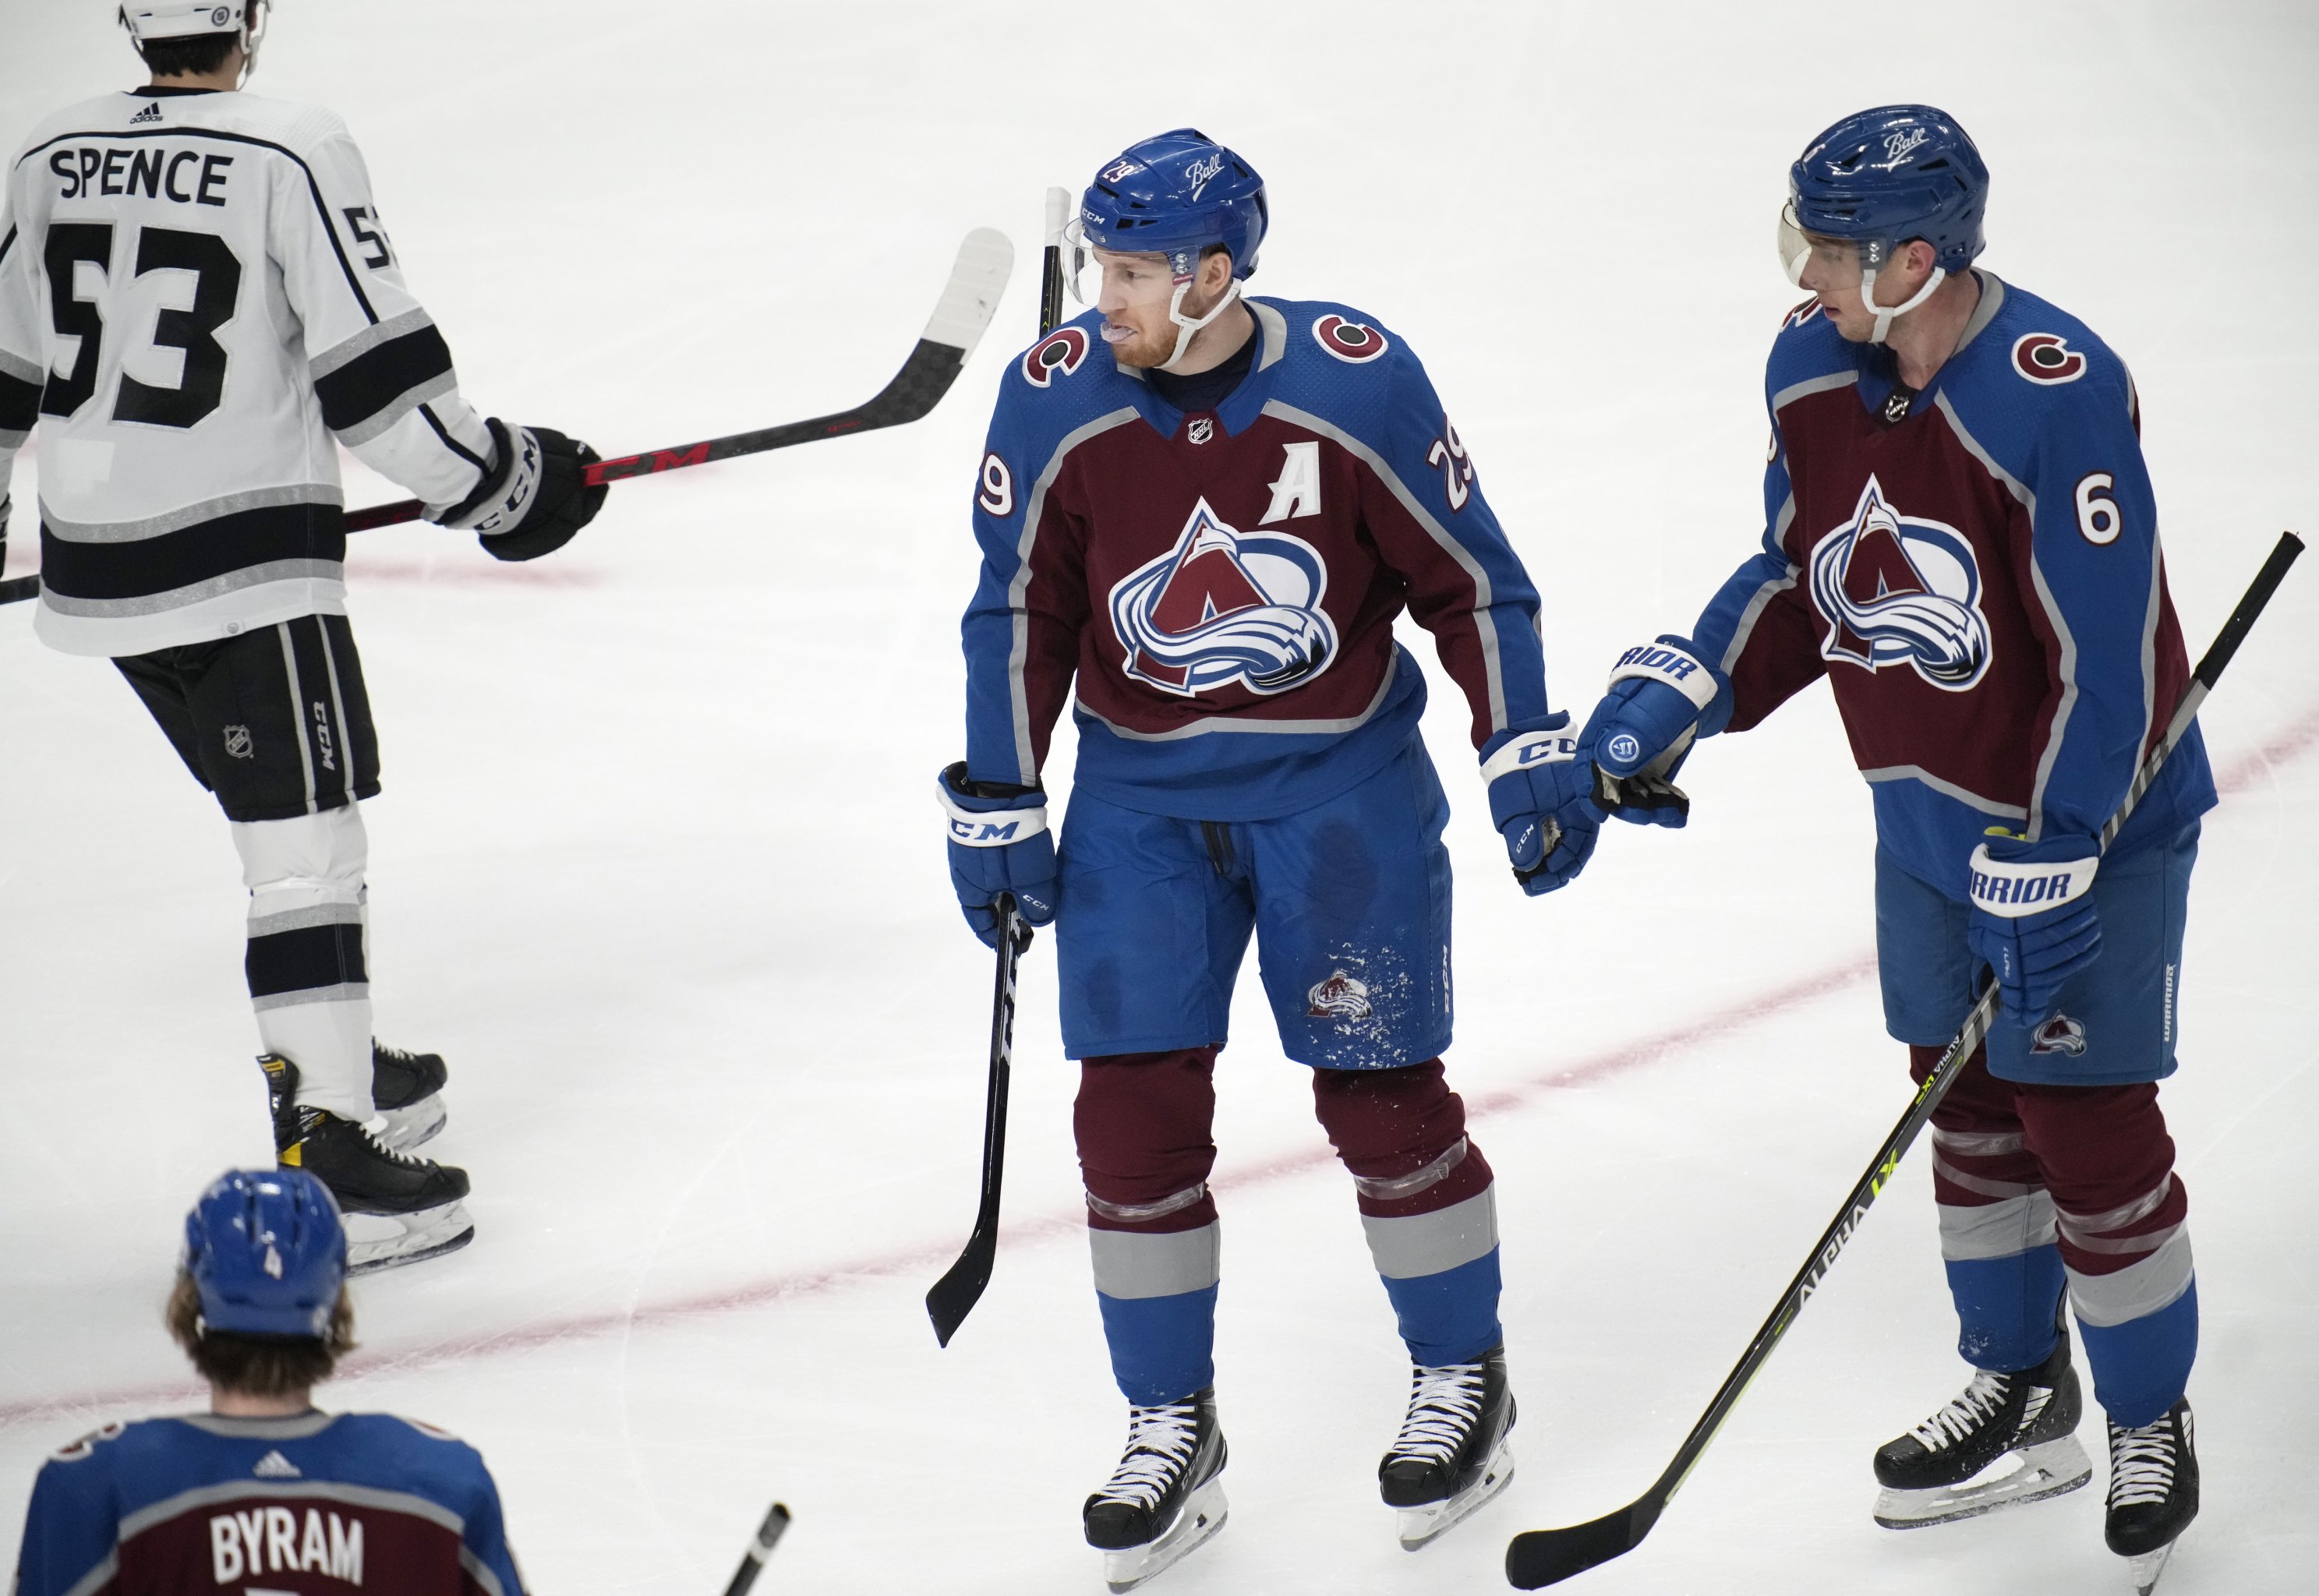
point(313, 186)
point(359, 388)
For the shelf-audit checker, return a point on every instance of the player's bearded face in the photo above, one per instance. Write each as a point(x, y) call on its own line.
point(1137, 290)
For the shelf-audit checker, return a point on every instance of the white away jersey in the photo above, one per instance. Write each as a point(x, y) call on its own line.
point(195, 296)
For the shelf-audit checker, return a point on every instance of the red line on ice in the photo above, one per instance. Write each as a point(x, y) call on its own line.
point(2288, 744)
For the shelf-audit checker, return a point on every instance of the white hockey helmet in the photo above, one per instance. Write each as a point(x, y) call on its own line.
point(148, 20)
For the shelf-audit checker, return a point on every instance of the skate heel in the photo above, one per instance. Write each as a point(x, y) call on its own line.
point(1203, 1514)
point(377, 1241)
point(2031, 1473)
point(1420, 1527)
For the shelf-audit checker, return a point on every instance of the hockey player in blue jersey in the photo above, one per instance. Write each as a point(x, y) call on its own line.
point(265, 1493)
point(1200, 514)
point(1962, 537)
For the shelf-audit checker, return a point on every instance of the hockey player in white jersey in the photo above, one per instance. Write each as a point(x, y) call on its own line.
point(198, 305)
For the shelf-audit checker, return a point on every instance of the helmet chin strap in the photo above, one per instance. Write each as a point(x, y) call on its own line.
point(1887, 314)
point(1187, 327)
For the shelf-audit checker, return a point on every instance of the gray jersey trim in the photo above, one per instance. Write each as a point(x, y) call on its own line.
point(22, 369)
point(96, 1578)
point(13, 440)
point(2004, 1229)
point(299, 1427)
point(1130, 1265)
point(1992, 300)
point(1225, 723)
point(1970, 800)
point(327, 914)
point(1827, 383)
point(2150, 648)
point(1426, 1244)
point(479, 1571)
point(216, 587)
point(2136, 1291)
point(2068, 661)
point(370, 338)
point(1483, 625)
point(1756, 605)
point(369, 1496)
point(1026, 765)
point(384, 419)
point(343, 992)
point(1274, 326)
point(192, 515)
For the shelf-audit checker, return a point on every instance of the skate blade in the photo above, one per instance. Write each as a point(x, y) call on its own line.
point(2052, 1468)
point(1422, 1526)
point(2144, 1571)
point(376, 1241)
point(399, 1130)
point(1202, 1515)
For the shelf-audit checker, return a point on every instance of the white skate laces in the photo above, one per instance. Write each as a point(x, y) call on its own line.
point(2141, 1464)
point(1444, 1403)
point(1159, 1442)
point(1964, 1413)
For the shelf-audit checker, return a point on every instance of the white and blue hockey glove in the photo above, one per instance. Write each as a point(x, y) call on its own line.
point(1663, 698)
point(999, 843)
point(2032, 923)
point(1539, 802)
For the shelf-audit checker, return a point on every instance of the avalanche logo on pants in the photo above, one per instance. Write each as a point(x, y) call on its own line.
point(1901, 590)
point(1225, 606)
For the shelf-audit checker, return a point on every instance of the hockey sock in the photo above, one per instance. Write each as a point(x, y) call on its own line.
point(2142, 1367)
point(1997, 1220)
point(1143, 1122)
point(309, 977)
point(1427, 1202)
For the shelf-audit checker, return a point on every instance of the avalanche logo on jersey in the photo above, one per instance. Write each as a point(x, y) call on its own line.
point(1226, 606)
point(1901, 591)
point(1350, 341)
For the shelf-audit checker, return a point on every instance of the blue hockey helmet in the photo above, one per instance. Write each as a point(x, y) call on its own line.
point(267, 1253)
point(1879, 178)
point(1176, 194)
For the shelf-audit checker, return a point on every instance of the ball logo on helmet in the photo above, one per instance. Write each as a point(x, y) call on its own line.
point(2046, 359)
point(1058, 354)
point(1349, 341)
point(1204, 171)
point(1898, 145)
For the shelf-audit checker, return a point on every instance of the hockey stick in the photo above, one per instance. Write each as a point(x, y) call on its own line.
point(968, 300)
point(752, 1561)
point(954, 1295)
point(1546, 1557)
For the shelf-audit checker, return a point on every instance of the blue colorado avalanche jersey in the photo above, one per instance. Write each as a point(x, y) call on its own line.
point(323, 1502)
point(1977, 569)
point(1222, 585)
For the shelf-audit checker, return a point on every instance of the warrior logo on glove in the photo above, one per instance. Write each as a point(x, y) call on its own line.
point(1225, 606)
point(1901, 591)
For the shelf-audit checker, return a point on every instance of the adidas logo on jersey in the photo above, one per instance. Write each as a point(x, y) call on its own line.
point(151, 114)
point(274, 1466)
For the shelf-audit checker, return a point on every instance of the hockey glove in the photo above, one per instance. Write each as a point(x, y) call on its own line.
point(2032, 923)
point(535, 499)
point(1539, 802)
point(1663, 698)
point(999, 842)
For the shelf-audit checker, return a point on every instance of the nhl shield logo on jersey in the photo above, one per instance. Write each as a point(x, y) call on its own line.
point(1339, 998)
point(1899, 590)
point(1225, 606)
point(1349, 340)
point(2046, 359)
point(1058, 354)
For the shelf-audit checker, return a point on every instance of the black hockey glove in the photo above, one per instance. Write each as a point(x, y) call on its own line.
point(536, 499)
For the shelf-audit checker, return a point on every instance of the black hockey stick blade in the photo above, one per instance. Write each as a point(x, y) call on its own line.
point(1539, 1557)
point(752, 1561)
point(954, 1295)
point(968, 300)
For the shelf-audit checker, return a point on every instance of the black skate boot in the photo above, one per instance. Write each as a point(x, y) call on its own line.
point(407, 1088)
point(2153, 1493)
point(397, 1209)
point(1164, 1498)
point(1929, 1476)
point(1450, 1455)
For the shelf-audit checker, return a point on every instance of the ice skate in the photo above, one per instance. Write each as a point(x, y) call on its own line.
point(2153, 1493)
point(1164, 1498)
point(407, 1089)
point(397, 1209)
point(1451, 1454)
point(2005, 1439)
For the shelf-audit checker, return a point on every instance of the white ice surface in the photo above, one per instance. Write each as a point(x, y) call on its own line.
point(656, 866)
